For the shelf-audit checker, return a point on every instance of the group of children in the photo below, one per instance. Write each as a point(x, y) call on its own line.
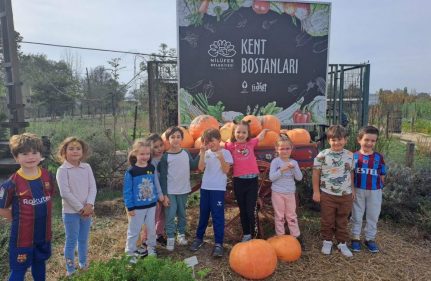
point(157, 185)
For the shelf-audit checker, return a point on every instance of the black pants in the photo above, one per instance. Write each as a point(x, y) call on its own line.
point(246, 196)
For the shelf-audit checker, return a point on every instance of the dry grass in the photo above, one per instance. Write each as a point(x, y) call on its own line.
point(403, 256)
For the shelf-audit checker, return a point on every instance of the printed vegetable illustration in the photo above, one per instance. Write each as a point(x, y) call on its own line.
point(270, 122)
point(270, 138)
point(255, 259)
point(203, 9)
point(201, 123)
point(287, 247)
point(255, 126)
point(285, 115)
point(260, 7)
point(300, 116)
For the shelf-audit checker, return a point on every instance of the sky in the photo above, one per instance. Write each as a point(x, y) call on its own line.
point(394, 36)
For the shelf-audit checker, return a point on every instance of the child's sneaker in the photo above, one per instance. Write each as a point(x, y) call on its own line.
point(161, 240)
point(181, 239)
point(133, 259)
point(246, 238)
point(218, 251)
point(372, 246)
point(327, 247)
point(170, 244)
point(196, 244)
point(344, 250)
point(356, 246)
point(152, 252)
point(142, 251)
point(301, 242)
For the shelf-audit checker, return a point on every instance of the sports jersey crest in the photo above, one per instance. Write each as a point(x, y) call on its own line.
point(21, 258)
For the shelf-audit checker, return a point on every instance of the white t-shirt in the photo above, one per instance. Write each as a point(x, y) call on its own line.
point(214, 178)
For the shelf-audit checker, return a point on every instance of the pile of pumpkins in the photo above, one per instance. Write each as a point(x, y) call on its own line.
point(257, 258)
point(257, 124)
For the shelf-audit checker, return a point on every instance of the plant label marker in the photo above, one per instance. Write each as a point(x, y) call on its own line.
point(191, 262)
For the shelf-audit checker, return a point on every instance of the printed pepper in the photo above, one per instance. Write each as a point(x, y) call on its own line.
point(301, 117)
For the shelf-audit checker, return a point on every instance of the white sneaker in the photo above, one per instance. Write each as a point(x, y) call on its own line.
point(151, 251)
point(345, 250)
point(246, 238)
point(133, 259)
point(327, 247)
point(181, 239)
point(170, 244)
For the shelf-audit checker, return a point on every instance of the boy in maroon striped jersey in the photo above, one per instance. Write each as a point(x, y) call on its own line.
point(369, 174)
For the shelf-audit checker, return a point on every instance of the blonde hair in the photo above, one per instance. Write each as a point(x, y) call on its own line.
point(25, 142)
point(284, 139)
point(135, 147)
point(61, 152)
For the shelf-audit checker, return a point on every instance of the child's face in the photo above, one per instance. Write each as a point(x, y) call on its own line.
point(284, 150)
point(175, 140)
point(241, 133)
point(213, 144)
point(143, 154)
point(367, 142)
point(158, 148)
point(337, 144)
point(28, 160)
point(74, 152)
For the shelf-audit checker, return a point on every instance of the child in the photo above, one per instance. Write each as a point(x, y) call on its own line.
point(333, 174)
point(215, 162)
point(283, 173)
point(157, 149)
point(370, 171)
point(174, 169)
point(141, 192)
point(78, 192)
point(245, 174)
point(29, 192)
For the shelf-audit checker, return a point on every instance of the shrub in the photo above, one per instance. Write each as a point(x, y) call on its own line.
point(4, 247)
point(147, 269)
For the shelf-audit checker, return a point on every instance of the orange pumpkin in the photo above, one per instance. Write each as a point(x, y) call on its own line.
point(269, 139)
point(200, 124)
point(299, 136)
point(255, 126)
point(271, 122)
point(226, 131)
point(188, 141)
point(254, 259)
point(287, 247)
point(198, 143)
point(166, 143)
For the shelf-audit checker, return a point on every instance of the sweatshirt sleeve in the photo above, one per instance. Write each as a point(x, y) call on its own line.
point(65, 192)
point(163, 173)
point(274, 173)
point(128, 191)
point(297, 171)
point(92, 186)
point(157, 184)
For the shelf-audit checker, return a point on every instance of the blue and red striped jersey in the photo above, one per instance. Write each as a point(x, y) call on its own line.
point(31, 201)
point(368, 169)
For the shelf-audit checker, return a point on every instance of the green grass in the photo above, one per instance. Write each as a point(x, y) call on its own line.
point(396, 153)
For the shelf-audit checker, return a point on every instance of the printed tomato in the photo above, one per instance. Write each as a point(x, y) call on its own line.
point(260, 7)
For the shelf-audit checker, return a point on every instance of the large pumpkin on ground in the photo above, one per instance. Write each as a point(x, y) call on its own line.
point(287, 247)
point(188, 141)
point(299, 136)
point(269, 139)
point(226, 131)
point(200, 124)
point(254, 259)
point(255, 126)
point(270, 122)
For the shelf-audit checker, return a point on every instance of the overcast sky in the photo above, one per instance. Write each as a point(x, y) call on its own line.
point(393, 35)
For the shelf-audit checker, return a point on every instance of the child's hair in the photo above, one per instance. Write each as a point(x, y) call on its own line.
point(368, 130)
point(283, 139)
point(171, 130)
point(135, 147)
point(153, 137)
point(243, 123)
point(24, 143)
point(336, 132)
point(61, 152)
point(210, 134)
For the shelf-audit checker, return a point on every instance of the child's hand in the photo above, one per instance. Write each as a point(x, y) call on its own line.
point(203, 148)
point(287, 167)
point(7, 214)
point(219, 155)
point(161, 198)
point(87, 210)
point(166, 201)
point(131, 213)
point(316, 197)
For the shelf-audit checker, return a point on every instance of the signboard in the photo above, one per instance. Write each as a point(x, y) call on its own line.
point(242, 57)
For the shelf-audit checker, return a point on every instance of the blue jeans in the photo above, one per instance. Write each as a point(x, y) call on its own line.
point(177, 208)
point(77, 231)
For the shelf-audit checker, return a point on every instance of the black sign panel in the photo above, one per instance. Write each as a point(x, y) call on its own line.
point(253, 57)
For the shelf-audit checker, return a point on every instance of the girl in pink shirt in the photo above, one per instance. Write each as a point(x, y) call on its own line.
point(245, 174)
